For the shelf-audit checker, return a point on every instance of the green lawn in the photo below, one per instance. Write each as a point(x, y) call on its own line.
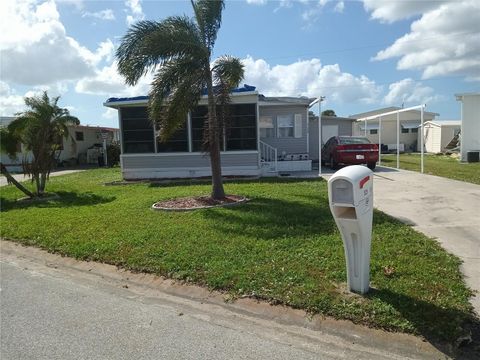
point(439, 165)
point(282, 246)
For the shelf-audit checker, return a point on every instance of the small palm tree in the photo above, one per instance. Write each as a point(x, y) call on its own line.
point(179, 49)
point(40, 129)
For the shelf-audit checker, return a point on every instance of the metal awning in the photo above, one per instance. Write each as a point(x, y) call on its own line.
point(410, 124)
point(370, 126)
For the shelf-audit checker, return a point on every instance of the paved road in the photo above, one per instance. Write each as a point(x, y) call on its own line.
point(58, 308)
point(21, 177)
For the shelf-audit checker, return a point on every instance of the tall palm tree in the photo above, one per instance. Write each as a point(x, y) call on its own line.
point(40, 129)
point(179, 50)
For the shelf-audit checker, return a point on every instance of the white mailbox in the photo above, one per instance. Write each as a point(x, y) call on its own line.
point(350, 194)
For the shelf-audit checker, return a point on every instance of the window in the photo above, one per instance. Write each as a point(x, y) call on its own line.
point(267, 130)
point(241, 129)
point(404, 131)
point(415, 130)
point(373, 131)
point(137, 130)
point(285, 125)
point(78, 135)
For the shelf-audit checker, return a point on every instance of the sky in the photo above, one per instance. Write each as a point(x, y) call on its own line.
point(360, 55)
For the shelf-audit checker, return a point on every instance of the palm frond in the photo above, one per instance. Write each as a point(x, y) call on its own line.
point(149, 44)
point(228, 71)
point(8, 143)
point(208, 14)
point(176, 89)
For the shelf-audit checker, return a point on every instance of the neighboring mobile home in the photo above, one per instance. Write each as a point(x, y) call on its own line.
point(408, 132)
point(82, 146)
point(470, 141)
point(266, 135)
point(85, 143)
point(438, 134)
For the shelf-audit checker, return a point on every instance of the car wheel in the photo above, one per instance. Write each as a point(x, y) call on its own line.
point(333, 163)
point(371, 166)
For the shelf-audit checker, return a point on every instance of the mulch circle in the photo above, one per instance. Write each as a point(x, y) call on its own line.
point(198, 202)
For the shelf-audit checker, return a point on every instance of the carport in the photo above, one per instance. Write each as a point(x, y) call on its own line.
point(366, 126)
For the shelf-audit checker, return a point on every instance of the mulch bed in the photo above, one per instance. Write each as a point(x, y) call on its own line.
point(198, 202)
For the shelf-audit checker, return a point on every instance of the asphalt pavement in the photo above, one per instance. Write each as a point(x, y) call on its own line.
point(60, 308)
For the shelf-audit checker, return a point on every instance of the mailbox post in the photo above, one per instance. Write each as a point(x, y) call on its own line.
point(350, 194)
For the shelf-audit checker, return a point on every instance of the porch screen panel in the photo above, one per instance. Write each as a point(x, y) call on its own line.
point(137, 131)
point(177, 142)
point(199, 116)
point(241, 133)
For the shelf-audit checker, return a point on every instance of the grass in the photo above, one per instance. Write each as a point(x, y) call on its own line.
point(282, 246)
point(439, 165)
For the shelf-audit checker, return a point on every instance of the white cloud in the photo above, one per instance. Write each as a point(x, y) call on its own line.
point(309, 78)
point(408, 91)
point(10, 101)
point(107, 81)
point(35, 47)
point(110, 114)
point(445, 41)
point(106, 14)
point(339, 7)
point(390, 11)
point(134, 11)
point(257, 2)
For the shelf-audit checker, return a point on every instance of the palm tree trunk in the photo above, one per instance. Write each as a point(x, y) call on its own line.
point(12, 180)
point(37, 183)
point(43, 180)
point(214, 144)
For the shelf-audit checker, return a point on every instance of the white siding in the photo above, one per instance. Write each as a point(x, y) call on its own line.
point(186, 165)
point(470, 124)
point(289, 145)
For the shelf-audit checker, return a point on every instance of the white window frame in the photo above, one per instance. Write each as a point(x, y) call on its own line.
point(264, 120)
point(291, 119)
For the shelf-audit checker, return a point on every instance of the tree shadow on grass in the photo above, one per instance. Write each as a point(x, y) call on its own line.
point(65, 199)
point(270, 218)
point(441, 327)
point(236, 181)
point(267, 218)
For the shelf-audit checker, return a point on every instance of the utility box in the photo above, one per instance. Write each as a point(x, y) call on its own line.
point(350, 195)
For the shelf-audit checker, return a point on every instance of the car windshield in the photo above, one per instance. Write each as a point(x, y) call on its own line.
point(347, 140)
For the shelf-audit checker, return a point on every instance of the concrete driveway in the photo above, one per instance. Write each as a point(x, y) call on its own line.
point(448, 210)
point(21, 177)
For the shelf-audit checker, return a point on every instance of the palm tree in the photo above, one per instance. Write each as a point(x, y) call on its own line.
point(8, 144)
point(179, 50)
point(40, 129)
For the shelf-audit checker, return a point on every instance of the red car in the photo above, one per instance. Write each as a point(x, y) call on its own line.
point(349, 150)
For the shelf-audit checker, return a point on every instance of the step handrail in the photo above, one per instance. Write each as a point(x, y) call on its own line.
point(269, 153)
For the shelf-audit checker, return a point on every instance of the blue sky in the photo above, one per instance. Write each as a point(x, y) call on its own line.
point(360, 55)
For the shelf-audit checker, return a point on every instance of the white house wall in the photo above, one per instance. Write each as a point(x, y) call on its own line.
point(389, 134)
point(432, 138)
point(470, 124)
point(187, 165)
point(91, 135)
point(290, 145)
point(344, 129)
